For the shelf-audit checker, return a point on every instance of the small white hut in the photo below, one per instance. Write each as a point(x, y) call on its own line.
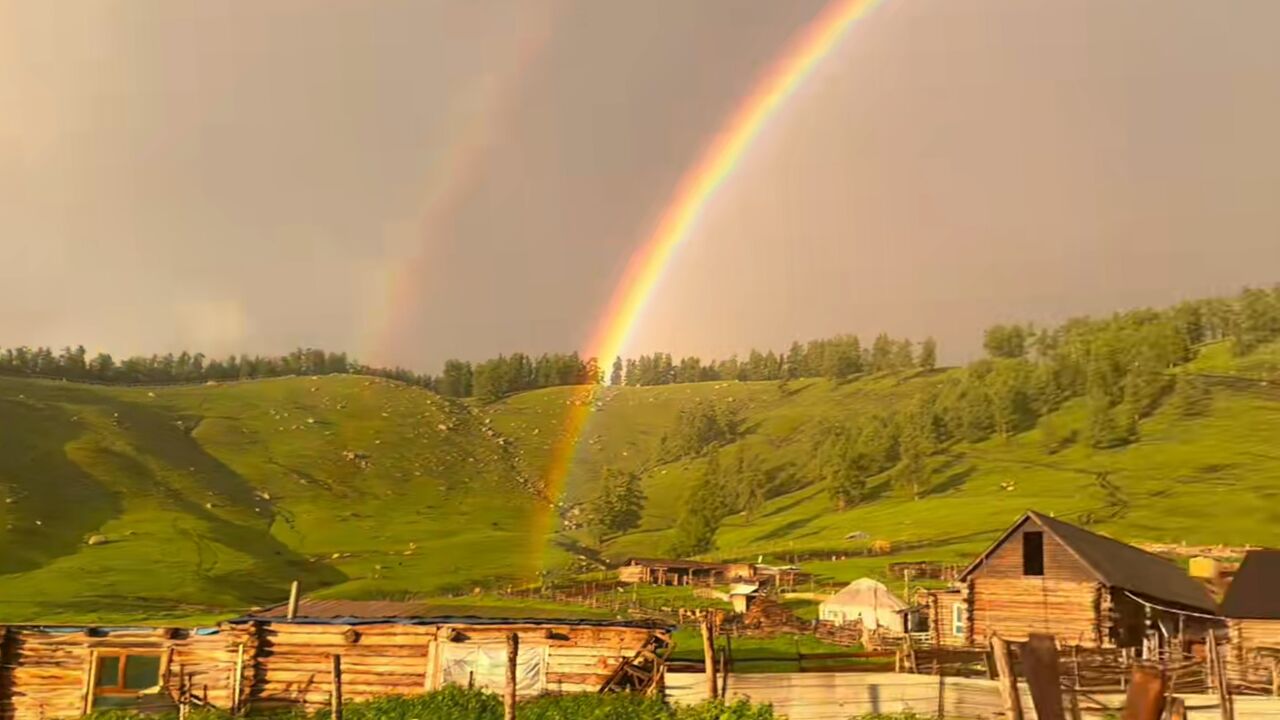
point(866, 599)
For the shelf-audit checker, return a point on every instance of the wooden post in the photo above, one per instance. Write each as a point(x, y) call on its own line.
point(709, 655)
point(1040, 665)
point(942, 696)
point(90, 682)
point(292, 610)
point(1008, 681)
point(724, 668)
point(1145, 698)
point(1177, 709)
point(237, 681)
point(1275, 677)
point(335, 700)
point(509, 696)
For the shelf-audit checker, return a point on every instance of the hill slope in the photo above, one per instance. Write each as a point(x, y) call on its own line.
point(215, 497)
point(212, 498)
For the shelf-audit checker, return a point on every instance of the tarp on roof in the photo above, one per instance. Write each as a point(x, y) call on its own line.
point(1254, 593)
point(866, 599)
point(1119, 565)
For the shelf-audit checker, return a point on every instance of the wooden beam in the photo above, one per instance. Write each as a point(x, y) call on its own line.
point(292, 610)
point(237, 680)
point(1008, 681)
point(90, 682)
point(509, 696)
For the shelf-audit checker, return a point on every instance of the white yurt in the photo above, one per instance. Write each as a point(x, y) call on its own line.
point(867, 599)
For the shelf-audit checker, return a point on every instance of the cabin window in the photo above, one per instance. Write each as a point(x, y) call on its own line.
point(127, 674)
point(1033, 553)
point(957, 619)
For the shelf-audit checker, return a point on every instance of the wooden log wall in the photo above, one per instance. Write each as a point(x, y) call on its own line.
point(293, 664)
point(1014, 608)
point(48, 671)
point(1253, 657)
point(45, 673)
point(6, 673)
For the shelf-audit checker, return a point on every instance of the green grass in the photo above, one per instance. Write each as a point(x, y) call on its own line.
point(212, 498)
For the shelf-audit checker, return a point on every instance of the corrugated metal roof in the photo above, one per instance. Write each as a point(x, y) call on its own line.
point(358, 612)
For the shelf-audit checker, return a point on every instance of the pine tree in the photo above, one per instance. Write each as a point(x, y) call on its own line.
point(615, 377)
point(928, 359)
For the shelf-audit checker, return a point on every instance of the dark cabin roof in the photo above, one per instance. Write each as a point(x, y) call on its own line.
point(1254, 593)
point(1117, 564)
point(365, 612)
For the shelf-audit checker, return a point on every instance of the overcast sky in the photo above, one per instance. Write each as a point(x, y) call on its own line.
point(412, 181)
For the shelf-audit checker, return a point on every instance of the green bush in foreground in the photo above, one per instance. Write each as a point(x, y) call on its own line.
point(455, 703)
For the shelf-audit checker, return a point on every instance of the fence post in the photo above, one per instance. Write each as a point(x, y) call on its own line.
point(1008, 681)
point(724, 667)
point(335, 700)
point(709, 655)
point(1040, 666)
point(1145, 697)
point(509, 697)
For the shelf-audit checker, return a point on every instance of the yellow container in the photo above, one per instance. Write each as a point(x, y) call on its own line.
point(1204, 567)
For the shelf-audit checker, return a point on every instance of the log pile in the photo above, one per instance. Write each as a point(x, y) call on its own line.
point(849, 634)
point(767, 617)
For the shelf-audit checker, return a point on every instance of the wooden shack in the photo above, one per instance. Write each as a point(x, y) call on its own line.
point(1046, 576)
point(657, 571)
point(1252, 609)
point(265, 659)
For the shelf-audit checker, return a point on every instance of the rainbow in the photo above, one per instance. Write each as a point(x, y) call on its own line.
point(696, 189)
point(453, 180)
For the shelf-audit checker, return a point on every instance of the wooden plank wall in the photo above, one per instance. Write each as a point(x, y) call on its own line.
point(50, 669)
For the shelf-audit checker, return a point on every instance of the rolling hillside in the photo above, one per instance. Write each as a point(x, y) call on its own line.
point(212, 498)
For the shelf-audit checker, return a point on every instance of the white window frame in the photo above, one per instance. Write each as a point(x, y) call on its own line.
point(958, 619)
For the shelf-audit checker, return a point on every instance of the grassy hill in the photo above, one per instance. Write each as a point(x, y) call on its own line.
point(212, 498)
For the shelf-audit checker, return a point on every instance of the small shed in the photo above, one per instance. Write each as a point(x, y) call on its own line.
point(867, 600)
point(1252, 609)
point(660, 571)
point(741, 596)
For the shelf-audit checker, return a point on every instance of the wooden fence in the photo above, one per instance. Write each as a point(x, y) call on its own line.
point(840, 696)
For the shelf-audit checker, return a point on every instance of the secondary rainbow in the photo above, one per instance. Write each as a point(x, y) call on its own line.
point(695, 190)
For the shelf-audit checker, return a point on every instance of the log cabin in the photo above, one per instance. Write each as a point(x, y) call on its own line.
point(1043, 575)
point(267, 660)
point(1252, 609)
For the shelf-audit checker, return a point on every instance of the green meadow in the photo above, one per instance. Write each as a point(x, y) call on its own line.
point(196, 502)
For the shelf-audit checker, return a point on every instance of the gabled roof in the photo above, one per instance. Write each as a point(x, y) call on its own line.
point(1116, 564)
point(1255, 591)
